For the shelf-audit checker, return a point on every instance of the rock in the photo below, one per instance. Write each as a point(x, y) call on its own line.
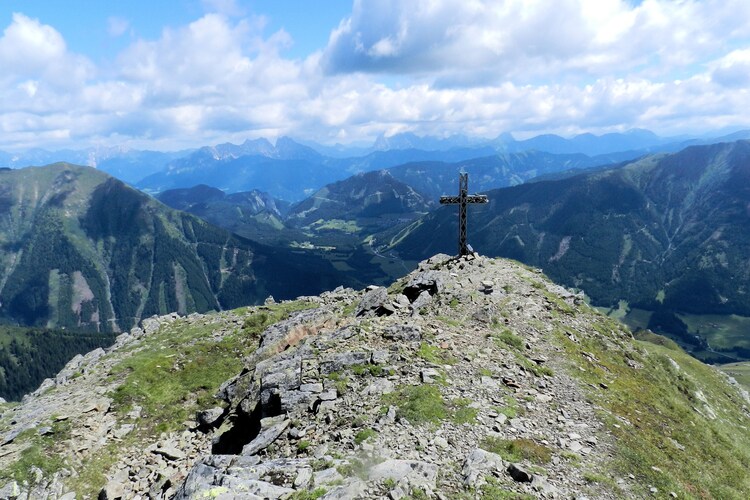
point(352, 488)
point(375, 302)
point(422, 300)
point(315, 387)
point(10, 490)
point(114, 490)
point(429, 375)
point(269, 301)
point(427, 281)
point(519, 474)
point(329, 395)
point(169, 452)
point(541, 485)
point(304, 475)
point(416, 472)
point(327, 476)
point(380, 357)
point(268, 434)
point(253, 488)
point(209, 418)
point(478, 464)
point(379, 386)
point(123, 430)
point(337, 362)
point(407, 333)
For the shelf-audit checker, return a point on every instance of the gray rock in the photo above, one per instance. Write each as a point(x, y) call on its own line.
point(427, 281)
point(478, 464)
point(429, 375)
point(304, 475)
point(379, 386)
point(416, 472)
point(541, 485)
point(327, 476)
point(210, 417)
point(422, 300)
point(380, 357)
point(10, 490)
point(352, 488)
point(337, 362)
point(169, 452)
point(315, 387)
point(408, 333)
point(114, 490)
point(375, 302)
point(266, 436)
point(254, 488)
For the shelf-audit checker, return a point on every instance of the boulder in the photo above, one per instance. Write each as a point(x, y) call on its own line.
point(375, 302)
point(414, 471)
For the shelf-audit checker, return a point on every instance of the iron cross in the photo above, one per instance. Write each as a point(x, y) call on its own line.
point(463, 199)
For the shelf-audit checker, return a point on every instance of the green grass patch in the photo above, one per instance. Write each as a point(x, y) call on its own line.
point(364, 435)
point(419, 404)
point(178, 369)
point(308, 494)
point(649, 336)
point(740, 372)
point(505, 337)
point(493, 490)
point(655, 412)
point(435, 354)
point(462, 412)
point(516, 450)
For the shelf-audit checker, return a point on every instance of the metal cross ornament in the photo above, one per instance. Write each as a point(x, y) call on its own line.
point(462, 200)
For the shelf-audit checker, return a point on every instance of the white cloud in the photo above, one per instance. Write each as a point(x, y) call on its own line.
point(529, 41)
point(427, 66)
point(117, 26)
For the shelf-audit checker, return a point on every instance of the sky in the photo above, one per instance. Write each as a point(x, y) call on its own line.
point(173, 74)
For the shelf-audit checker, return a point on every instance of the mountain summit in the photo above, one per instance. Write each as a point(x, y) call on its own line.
point(468, 378)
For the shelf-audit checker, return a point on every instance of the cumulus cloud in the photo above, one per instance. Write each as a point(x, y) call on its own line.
point(427, 66)
point(529, 41)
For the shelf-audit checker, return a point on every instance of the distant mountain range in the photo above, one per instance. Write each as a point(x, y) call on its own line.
point(669, 231)
point(292, 171)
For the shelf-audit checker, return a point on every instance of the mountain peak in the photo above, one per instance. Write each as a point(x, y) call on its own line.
point(469, 376)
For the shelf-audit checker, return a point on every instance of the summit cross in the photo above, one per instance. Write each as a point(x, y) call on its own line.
point(462, 200)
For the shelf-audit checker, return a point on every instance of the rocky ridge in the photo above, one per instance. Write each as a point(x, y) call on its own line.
point(470, 377)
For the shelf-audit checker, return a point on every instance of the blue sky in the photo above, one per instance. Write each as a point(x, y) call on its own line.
point(184, 73)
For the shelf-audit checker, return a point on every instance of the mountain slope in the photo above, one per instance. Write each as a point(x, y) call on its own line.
point(251, 214)
point(82, 250)
point(468, 378)
point(668, 231)
point(374, 196)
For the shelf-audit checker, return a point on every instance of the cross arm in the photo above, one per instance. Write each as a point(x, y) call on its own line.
point(476, 198)
point(450, 200)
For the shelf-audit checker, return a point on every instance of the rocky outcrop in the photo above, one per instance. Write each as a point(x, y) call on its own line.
point(465, 379)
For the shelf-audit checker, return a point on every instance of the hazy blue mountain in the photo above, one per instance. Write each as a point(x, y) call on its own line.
point(434, 179)
point(128, 165)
